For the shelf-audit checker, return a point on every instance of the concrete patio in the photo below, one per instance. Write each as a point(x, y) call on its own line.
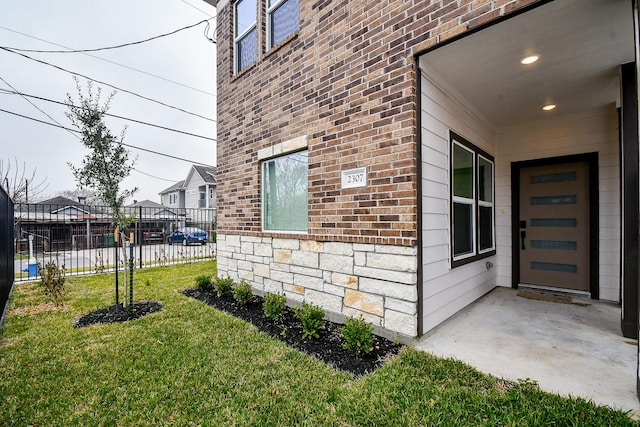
point(572, 347)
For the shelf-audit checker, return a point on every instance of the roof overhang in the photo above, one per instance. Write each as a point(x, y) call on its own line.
point(581, 44)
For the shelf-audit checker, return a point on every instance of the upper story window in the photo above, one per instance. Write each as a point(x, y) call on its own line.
point(472, 202)
point(283, 19)
point(245, 34)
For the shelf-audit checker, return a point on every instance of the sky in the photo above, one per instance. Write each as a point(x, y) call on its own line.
point(177, 70)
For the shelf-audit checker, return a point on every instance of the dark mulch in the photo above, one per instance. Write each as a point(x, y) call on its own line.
point(118, 314)
point(287, 329)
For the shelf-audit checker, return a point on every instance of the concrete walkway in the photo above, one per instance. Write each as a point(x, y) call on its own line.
point(573, 348)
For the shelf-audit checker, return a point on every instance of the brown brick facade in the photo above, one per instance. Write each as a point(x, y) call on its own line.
point(346, 80)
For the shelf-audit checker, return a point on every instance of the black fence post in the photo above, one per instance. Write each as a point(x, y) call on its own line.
point(140, 233)
point(7, 247)
point(117, 261)
point(131, 264)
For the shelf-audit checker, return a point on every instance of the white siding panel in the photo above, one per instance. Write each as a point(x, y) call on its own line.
point(446, 290)
point(435, 189)
point(192, 193)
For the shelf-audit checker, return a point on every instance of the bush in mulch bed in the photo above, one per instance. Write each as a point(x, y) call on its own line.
point(118, 314)
point(288, 329)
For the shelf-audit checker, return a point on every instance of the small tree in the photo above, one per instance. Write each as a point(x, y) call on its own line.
point(107, 163)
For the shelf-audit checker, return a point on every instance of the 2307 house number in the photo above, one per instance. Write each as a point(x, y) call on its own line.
point(354, 178)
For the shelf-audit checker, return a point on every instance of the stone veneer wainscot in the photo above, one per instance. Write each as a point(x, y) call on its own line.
point(378, 282)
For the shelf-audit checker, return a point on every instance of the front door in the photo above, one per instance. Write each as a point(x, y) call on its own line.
point(554, 226)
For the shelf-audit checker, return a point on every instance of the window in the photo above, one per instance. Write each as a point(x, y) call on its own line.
point(173, 198)
point(283, 19)
point(245, 34)
point(284, 193)
point(472, 202)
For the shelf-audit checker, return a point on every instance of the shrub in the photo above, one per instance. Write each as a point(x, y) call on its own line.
point(52, 282)
point(274, 305)
point(312, 319)
point(224, 286)
point(358, 335)
point(243, 293)
point(203, 282)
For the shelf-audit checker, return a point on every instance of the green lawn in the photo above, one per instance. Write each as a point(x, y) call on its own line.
point(193, 365)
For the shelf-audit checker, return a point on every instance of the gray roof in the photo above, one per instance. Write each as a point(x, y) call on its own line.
point(145, 204)
point(208, 173)
point(177, 186)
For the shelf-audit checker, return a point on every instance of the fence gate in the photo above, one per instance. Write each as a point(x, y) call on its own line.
point(7, 273)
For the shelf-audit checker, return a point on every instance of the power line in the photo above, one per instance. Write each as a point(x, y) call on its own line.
point(153, 176)
point(126, 145)
point(14, 92)
point(36, 107)
point(116, 46)
point(107, 84)
point(114, 63)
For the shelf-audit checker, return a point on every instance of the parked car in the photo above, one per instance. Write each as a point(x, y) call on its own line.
point(188, 235)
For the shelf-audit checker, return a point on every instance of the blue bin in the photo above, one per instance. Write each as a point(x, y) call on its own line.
point(33, 270)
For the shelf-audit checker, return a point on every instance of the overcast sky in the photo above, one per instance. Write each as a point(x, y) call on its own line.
point(187, 58)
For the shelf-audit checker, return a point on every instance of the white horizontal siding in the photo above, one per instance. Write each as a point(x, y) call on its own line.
point(192, 192)
point(446, 290)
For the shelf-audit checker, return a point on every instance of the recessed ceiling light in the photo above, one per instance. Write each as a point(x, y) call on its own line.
point(529, 59)
point(549, 107)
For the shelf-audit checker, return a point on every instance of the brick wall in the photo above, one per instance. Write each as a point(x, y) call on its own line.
point(346, 80)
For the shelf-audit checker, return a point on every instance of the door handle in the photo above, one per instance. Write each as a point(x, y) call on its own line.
point(523, 235)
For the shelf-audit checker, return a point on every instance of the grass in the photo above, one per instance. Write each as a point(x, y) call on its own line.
point(193, 365)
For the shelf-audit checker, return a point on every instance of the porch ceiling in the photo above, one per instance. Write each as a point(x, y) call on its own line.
point(581, 44)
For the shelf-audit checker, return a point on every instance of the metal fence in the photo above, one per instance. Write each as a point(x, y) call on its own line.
point(81, 237)
point(6, 250)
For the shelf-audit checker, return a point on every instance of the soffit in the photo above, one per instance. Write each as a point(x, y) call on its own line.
point(582, 43)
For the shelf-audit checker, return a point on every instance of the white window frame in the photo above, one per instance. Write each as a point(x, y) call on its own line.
point(466, 201)
point(239, 37)
point(485, 204)
point(476, 253)
point(270, 9)
point(263, 193)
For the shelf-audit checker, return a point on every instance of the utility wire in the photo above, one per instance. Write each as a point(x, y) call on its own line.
point(126, 145)
point(38, 108)
point(113, 47)
point(114, 63)
point(156, 177)
point(14, 92)
point(107, 84)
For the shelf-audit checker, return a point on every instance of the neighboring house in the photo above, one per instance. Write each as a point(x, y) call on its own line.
point(61, 224)
point(173, 196)
point(197, 191)
point(392, 159)
point(200, 188)
point(154, 222)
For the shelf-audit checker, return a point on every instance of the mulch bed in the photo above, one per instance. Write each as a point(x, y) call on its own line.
point(328, 348)
point(118, 314)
